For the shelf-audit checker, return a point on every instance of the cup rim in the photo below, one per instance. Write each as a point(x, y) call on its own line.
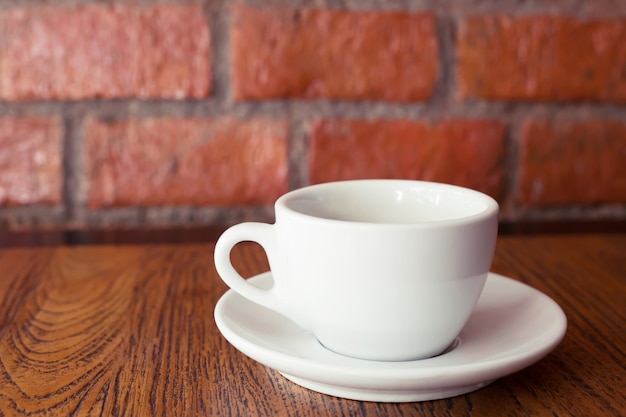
point(491, 205)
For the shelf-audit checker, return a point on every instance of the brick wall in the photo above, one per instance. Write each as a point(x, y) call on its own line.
point(204, 112)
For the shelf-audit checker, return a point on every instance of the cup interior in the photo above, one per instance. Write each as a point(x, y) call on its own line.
point(388, 202)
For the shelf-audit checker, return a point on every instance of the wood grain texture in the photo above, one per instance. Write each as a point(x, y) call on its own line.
point(129, 331)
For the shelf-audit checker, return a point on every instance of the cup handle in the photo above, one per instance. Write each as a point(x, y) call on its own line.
point(264, 235)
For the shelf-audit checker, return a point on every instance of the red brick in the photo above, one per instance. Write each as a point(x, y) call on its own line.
point(572, 163)
point(30, 161)
point(169, 162)
point(104, 51)
point(315, 53)
point(463, 152)
point(542, 58)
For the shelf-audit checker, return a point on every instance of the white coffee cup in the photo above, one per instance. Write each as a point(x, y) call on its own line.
point(385, 270)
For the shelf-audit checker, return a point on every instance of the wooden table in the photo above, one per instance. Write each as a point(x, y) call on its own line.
point(129, 330)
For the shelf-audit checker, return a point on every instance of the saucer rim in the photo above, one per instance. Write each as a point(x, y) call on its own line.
point(409, 378)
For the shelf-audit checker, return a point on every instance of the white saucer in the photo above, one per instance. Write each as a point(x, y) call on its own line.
point(512, 327)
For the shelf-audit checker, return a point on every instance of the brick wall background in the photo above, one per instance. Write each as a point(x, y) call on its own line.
point(139, 113)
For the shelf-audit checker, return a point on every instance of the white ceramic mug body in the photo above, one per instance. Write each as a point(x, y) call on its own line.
point(377, 269)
